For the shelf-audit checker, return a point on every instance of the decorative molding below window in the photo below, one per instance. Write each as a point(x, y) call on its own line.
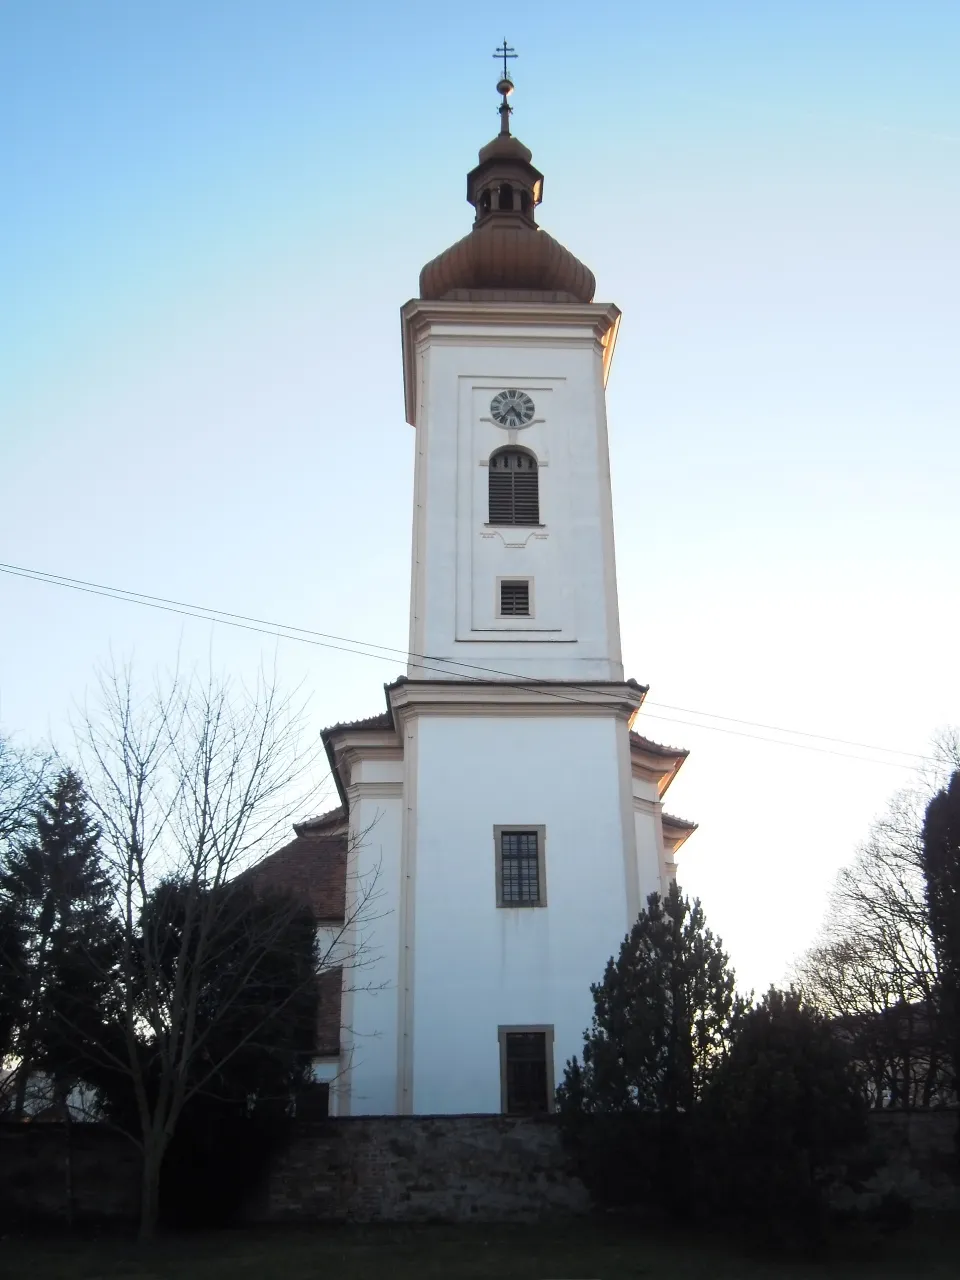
point(498, 533)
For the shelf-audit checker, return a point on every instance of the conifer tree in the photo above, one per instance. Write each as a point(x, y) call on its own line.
point(57, 904)
point(941, 869)
point(663, 1016)
point(11, 994)
point(778, 1118)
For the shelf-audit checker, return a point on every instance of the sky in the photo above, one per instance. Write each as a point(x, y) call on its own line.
point(212, 214)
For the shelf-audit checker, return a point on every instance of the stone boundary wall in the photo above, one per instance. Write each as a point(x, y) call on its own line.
point(414, 1169)
point(63, 1173)
point(422, 1168)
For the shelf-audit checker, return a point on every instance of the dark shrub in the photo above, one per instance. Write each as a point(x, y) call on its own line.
point(776, 1119)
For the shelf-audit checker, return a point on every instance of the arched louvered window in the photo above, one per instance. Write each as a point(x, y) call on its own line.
point(514, 489)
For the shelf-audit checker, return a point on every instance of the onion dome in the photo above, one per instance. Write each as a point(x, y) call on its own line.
point(506, 257)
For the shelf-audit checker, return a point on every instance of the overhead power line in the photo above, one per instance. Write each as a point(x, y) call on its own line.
point(388, 653)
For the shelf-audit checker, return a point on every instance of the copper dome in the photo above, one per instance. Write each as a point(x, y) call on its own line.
point(505, 146)
point(506, 257)
point(497, 260)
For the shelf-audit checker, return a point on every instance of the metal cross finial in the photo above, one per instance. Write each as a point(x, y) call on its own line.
point(505, 51)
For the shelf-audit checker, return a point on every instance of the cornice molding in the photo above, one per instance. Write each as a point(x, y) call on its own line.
point(377, 743)
point(375, 791)
point(642, 805)
point(419, 317)
point(676, 831)
point(658, 769)
point(458, 698)
point(673, 842)
point(346, 747)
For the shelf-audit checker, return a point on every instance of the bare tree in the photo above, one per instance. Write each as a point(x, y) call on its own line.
point(23, 776)
point(874, 969)
point(193, 784)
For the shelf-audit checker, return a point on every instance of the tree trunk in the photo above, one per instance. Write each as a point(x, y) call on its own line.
point(20, 1095)
point(62, 1102)
point(150, 1189)
point(24, 1071)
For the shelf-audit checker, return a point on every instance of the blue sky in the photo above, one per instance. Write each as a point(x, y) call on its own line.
point(213, 212)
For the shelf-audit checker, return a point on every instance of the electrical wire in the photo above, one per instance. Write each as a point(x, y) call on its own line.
point(387, 653)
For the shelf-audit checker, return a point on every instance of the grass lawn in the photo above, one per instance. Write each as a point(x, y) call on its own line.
point(574, 1251)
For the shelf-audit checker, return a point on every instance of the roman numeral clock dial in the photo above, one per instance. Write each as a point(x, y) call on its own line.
point(512, 408)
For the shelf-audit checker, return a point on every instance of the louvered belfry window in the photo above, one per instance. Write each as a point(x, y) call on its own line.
point(514, 488)
point(515, 598)
point(519, 869)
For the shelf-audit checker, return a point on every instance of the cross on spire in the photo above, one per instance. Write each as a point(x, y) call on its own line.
point(505, 51)
point(505, 86)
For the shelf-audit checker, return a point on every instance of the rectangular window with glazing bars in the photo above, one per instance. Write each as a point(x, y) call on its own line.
point(520, 868)
point(514, 488)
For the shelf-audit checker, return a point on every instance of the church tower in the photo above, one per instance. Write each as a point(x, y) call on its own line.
point(505, 361)
point(503, 817)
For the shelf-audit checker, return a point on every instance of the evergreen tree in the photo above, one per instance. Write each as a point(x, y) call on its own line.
point(777, 1118)
point(21, 786)
point(941, 869)
point(663, 1017)
point(12, 994)
point(662, 1014)
point(57, 906)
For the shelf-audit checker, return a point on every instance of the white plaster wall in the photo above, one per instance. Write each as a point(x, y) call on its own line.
point(377, 770)
point(649, 852)
point(477, 966)
point(457, 559)
point(369, 1005)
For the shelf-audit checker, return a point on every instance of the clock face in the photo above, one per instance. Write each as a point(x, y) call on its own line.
point(512, 408)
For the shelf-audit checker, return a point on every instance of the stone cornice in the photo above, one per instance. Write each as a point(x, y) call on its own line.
point(657, 767)
point(676, 831)
point(368, 742)
point(549, 698)
point(375, 791)
point(347, 746)
point(418, 318)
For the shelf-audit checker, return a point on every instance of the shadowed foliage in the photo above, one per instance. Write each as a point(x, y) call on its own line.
point(664, 1014)
point(776, 1119)
point(941, 867)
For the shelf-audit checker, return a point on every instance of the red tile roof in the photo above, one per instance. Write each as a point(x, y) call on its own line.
point(313, 867)
point(328, 819)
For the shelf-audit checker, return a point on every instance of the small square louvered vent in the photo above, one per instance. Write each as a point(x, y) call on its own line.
point(515, 598)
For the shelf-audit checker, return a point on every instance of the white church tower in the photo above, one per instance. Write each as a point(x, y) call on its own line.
point(508, 814)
